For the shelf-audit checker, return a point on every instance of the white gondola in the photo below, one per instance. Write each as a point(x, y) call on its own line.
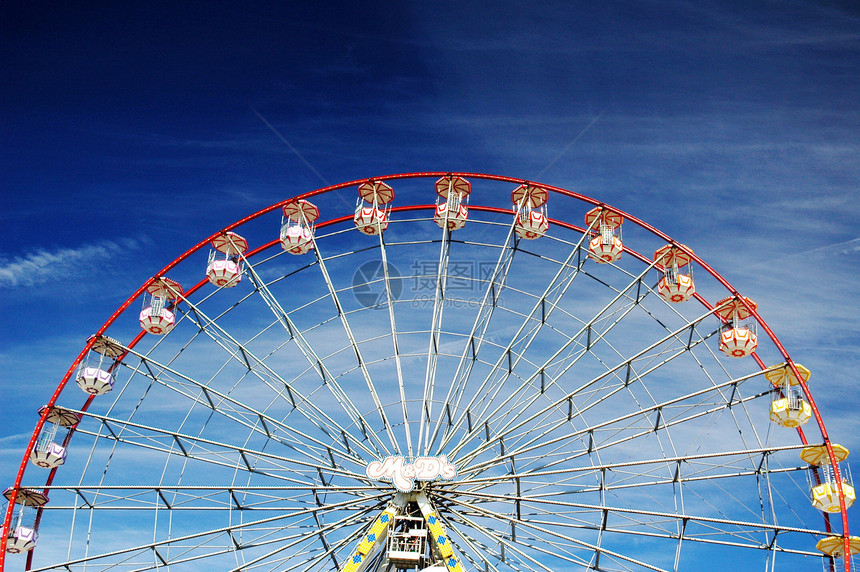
point(531, 221)
point(453, 196)
point(738, 337)
point(675, 286)
point(605, 225)
point(297, 226)
point(372, 208)
point(50, 449)
point(157, 316)
point(23, 530)
point(225, 260)
point(95, 374)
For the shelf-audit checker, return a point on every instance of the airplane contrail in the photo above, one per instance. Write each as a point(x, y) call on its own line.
point(572, 141)
point(293, 149)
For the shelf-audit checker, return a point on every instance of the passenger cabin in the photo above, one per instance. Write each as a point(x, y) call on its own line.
point(605, 226)
point(23, 530)
point(822, 477)
point(225, 260)
point(157, 316)
point(788, 408)
point(738, 337)
point(452, 197)
point(676, 285)
point(50, 449)
point(531, 220)
point(297, 226)
point(834, 547)
point(95, 374)
point(372, 208)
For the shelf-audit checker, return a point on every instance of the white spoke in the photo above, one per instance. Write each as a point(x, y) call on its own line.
point(439, 289)
point(396, 348)
point(540, 313)
point(208, 533)
point(475, 339)
point(517, 423)
point(255, 365)
point(552, 510)
point(503, 542)
point(217, 401)
point(539, 440)
point(503, 518)
point(192, 447)
point(350, 520)
point(361, 363)
point(329, 380)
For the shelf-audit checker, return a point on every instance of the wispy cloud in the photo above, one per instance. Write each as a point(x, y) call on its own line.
point(821, 253)
point(43, 266)
point(13, 440)
point(839, 248)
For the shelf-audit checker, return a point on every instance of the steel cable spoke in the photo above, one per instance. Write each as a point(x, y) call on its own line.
point(362, 364)
point(211, 394)
point(315, 362)
point(212, 532)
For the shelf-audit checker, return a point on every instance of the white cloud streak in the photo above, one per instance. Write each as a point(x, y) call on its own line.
point(840, 248)
point(14, 441)
point(43, 266)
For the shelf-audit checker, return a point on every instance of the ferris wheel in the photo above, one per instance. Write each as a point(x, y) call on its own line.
point(435, 372)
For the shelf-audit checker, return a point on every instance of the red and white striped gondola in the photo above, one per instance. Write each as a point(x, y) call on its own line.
point(675, 287)
point(737, 339)
point(606, 246)
point(297, 226)
point(531, 220)
point(225, 260)
point(371, 213)
point(157, 316)
point(453, 196)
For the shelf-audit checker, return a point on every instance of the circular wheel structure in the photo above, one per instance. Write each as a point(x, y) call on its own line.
point(510, 395)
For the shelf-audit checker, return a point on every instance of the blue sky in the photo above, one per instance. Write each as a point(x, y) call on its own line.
point(129, 133)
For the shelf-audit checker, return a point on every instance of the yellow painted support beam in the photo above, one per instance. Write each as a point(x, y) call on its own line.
point(439, 534)
point(376, 534)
